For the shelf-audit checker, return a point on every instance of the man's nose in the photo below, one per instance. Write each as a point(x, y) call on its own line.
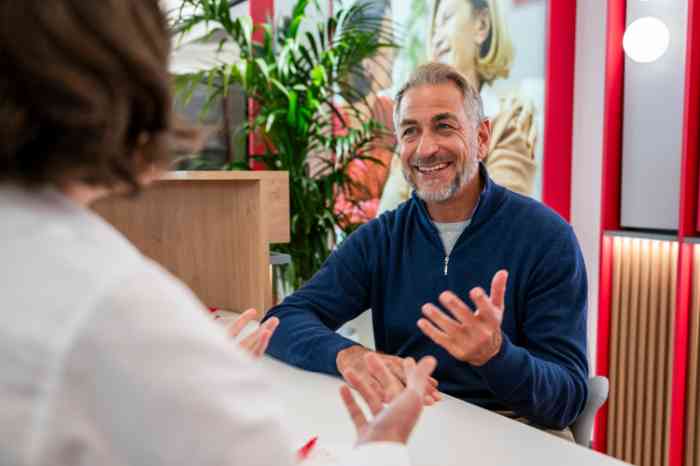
point(427, 145)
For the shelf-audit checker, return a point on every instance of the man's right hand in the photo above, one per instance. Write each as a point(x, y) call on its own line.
point(395, 422)
point(384, 374)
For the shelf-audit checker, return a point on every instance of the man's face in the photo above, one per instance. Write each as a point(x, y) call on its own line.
point(438, 145)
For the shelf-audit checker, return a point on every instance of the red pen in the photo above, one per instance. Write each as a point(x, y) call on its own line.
point(305, 451)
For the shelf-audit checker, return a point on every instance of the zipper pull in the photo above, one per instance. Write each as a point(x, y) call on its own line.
point(447, 261)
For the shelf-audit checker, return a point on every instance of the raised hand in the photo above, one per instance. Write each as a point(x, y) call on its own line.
point(255, 343)
point(384, 374)
point(395, 422)
point(470, 337)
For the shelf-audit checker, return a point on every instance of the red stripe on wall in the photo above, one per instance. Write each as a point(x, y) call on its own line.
point(680, 355)
point(689, 217)
point(261, 11)
point(559, 105)
point(688, 226)
point(610, 196)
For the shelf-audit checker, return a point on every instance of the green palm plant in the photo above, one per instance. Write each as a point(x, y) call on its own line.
point(298, 74)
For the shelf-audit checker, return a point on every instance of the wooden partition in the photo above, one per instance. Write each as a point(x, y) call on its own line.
point(210, 229)
point(641, 349)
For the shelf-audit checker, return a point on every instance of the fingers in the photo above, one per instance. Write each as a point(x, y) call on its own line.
point(356, 415)
point(457, 307)
point(261, 344)
point(271, 324)
point(240, 323)
point(391, 385)
point(434, 333)
point(395, 365)
point(418, 374)
point(425, 367)
point(498, 288)
point(256, 343)
point(486, 310)
point(439, 318)
point(433, 395)
point(371, 394)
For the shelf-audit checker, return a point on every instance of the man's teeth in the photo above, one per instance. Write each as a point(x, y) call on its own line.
point(432, 168)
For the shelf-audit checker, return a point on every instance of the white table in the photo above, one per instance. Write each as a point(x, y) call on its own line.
point(450, 433)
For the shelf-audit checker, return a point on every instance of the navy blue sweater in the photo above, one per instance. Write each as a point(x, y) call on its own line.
point(396, 263)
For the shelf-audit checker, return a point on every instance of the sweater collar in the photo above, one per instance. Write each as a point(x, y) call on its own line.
point(489, 200)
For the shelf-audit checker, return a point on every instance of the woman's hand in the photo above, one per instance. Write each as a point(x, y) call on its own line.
point(395, 422)
point(256, 343)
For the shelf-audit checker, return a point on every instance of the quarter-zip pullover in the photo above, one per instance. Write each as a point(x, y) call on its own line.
point(396, 263)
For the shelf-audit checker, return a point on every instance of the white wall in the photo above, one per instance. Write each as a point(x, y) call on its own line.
point(589, 85)
point(284, 8)
point(189, 57)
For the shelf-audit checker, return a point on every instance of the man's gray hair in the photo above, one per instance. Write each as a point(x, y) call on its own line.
point(438, 73)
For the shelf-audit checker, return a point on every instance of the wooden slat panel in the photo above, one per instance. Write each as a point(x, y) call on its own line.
point(669, 353)
point(664, 363)
point(642, 450)
point(641, 343)
point(614, 403)
point(624, 345)
point(652, 437)
point(633, 316)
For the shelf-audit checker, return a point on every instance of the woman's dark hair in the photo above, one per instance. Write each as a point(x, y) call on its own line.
point(84, 84)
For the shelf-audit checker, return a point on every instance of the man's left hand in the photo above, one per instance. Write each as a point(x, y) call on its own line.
point(471, 337)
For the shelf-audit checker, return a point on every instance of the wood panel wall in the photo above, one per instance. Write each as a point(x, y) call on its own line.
point(641, 349)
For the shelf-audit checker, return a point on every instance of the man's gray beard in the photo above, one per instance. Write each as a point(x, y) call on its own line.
point(463, 177)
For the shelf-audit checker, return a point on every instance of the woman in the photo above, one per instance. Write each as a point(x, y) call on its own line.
point(472, 36)
point(106, 358)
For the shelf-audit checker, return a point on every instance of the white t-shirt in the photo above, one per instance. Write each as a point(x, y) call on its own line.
point(106, 359)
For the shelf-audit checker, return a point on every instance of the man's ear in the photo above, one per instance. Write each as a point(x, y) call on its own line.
point(484, 138)
point(482, 25)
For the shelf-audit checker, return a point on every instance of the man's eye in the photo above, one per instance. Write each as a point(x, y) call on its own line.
point(408, 131)
point(444, 126)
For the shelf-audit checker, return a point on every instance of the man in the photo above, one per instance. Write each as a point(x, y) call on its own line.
point(106, 358)
point(519, 348)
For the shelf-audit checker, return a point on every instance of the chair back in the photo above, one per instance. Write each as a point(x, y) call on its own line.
point(582, 428)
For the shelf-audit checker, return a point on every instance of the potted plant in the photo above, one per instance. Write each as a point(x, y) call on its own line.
point(310, 117)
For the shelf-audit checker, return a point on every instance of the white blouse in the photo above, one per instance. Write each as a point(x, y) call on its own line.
point(106, 359)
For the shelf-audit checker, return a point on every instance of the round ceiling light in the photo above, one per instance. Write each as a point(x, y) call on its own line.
point(646, 39)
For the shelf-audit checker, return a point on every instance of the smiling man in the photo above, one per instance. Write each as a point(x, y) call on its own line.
point(489, 282)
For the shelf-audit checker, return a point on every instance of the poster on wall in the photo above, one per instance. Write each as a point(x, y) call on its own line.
point(500, 46)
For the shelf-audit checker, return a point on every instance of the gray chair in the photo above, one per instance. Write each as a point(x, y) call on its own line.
point(582, 428)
